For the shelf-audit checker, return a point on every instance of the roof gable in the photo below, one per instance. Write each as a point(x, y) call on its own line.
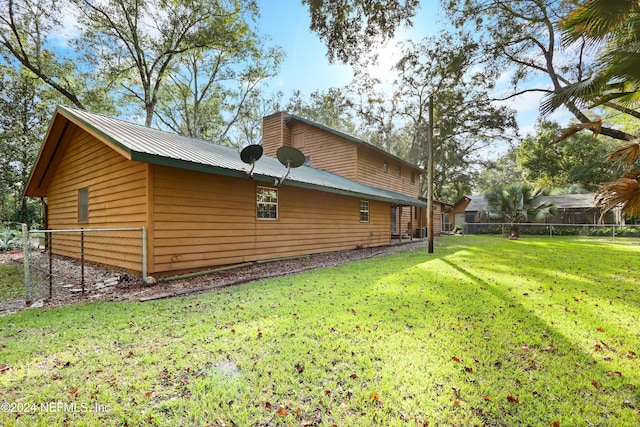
point(147, 145)
point(351, 138)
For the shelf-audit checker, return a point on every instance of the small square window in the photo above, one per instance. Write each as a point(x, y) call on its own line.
point(413, 177)
point(267, 203)
point(83, 205)
point(364, 211)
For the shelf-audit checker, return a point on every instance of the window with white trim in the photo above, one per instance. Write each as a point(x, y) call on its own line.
point(364, 211)
point(267, 203)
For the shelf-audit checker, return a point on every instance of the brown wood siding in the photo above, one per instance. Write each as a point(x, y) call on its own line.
point(371, 172)
point(205, 220)
point(327, 151)
point(275, 133)
point(117, 189)
point(437, 220)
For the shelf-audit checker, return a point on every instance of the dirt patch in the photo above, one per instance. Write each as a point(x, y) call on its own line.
point(125, 287)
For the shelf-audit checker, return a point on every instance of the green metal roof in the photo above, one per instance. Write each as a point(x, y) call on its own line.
point(154, 146)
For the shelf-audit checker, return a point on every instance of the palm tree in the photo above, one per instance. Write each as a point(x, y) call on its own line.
point(614, 27)
point(516, 203)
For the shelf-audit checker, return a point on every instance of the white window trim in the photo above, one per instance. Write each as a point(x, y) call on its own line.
point(267, 203)
point(368, 211)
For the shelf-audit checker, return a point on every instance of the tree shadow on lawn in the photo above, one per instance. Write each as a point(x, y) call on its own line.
point(554, 371)
point(596, 278)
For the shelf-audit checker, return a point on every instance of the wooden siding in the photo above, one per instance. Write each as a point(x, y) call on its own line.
point(275, 133)
point(335, 154)
point(327, 151)
point(205, 220)
point(117, 189)
point(437, 219)
point(371, 172)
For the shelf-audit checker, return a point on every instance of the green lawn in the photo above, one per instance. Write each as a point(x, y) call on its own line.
point(485, 332)
point(11, 282)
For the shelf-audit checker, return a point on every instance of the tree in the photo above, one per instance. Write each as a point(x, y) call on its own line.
point(26, 32)
point(579, 159)
point(136, 45)
point(524, 36)
point(333, 108)
point(351, 28)
point(613, 26)
point(614, 82)
point(25, 110)
point(516, 203)
point(207, 94)
point(499, 172)
point(442, 68)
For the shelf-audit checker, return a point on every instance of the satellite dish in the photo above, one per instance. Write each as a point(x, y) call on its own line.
point(291, 158)
point(250, 155)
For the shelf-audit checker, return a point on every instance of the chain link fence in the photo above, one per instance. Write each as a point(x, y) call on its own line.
point(542, 229)
point(61, 264)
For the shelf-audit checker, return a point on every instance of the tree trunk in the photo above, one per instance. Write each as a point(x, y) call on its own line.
point(514, 233)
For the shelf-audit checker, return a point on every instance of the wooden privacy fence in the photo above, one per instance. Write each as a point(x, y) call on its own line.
point(75, 261)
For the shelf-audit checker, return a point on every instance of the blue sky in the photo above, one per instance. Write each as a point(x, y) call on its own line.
point(306, 67)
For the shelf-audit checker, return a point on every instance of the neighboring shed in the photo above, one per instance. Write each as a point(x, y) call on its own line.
point(458, 211)
point(572, 209)
point(195, 198)
point(579, 209)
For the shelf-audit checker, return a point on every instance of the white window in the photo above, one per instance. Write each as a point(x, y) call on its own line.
point(267, 203)
point(364, 211)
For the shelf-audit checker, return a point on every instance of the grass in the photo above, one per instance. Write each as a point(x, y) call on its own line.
point(11, 282)
point(485, 332)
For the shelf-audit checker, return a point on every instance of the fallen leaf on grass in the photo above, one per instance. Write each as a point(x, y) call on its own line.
point(267, 405)
point(594, 383)
point(74, 392)
point(487, 398)
point(597, 347)
point(299, 368)
point(375, 397)
point(147, 394)
point(600, 329)
point(456, 359)
point(353, 376)
point(512, 399)
point(554, 423)
point(282, 411)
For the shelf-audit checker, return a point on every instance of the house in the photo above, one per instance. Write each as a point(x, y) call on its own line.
point(458, 211)
point(572, 209)
point(200, 206)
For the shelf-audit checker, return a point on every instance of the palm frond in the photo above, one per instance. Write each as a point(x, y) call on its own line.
point(627, 154)
point(623, 192)
point(595, 126)
point(580, 93)
point(596, 19)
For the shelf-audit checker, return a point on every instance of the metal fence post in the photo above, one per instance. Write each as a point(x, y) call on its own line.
point(82, 258)
point(50, 246)
point(25, 254)
point(144, 253)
